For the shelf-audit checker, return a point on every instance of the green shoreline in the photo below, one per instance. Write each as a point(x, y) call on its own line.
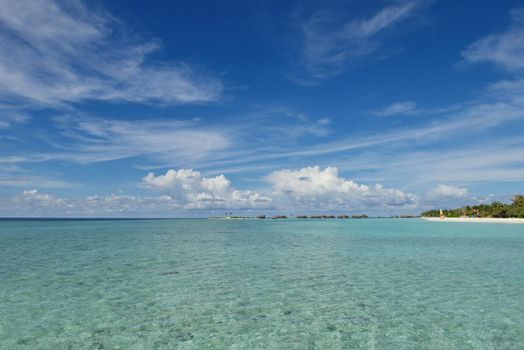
point(493, 210)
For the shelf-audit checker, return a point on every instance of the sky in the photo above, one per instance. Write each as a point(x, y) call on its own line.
point(196, 108)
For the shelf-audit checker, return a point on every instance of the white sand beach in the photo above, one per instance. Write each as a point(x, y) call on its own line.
point(485, 220)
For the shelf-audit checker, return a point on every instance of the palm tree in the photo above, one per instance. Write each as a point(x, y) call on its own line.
point(498, 210)
point(518, 200)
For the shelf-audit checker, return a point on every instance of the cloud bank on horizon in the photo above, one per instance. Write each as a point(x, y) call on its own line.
point(353, 106)
point(304, 190)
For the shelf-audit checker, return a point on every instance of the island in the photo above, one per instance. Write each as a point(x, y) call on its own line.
point(494, 212)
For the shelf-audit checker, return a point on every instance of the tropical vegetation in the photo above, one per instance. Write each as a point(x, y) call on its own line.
point(493, 210)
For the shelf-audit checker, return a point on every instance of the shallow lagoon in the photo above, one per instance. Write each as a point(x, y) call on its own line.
point(290, 284)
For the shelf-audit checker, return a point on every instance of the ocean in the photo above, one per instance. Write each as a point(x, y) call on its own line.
point(266, 284)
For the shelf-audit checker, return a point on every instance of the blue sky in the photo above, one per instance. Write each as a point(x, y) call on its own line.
point(191, 108)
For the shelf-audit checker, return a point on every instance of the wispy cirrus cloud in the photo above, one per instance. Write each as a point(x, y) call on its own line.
point(398, 108)
point(86, 140)
point(164, 143)
point(505, 49)
point(8, 118)
point(331, 46)
point(390, 154)
point(19, 180)
point(476, 163)
point(89, 140)
point(473, 118)
point(56, 52)
point(265, 145)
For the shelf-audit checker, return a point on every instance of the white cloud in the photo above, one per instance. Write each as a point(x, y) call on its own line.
point(193, 191)
point(313, 188)
point(34, 203)
point(475, 121)
point(33, 194)
point(447, 196)
point(7, 119)
point(447, 191)
point(503, 49)
point(55, 52)
point(330, 48)
point(186, 190)
point(33, 199)
point(471, 119)
point(92, 140)
point(505, 88)
point(19, 180)
point(477, 162)
point(398, 108)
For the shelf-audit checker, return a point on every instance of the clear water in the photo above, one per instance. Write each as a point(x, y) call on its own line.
point(204, 284)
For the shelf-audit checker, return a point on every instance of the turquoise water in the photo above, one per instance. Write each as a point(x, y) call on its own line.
point(205, 284)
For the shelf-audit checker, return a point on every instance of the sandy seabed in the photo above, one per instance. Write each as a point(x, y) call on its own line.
point(486, 220)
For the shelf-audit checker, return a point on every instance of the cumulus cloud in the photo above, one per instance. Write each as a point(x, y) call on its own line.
point(314, 188)
point(38, 197)
point(35, 203)
point(56, 52)
point(447, 196)
point(193, 191)
point(449, 191)
point(184, 191)
point(503, 49)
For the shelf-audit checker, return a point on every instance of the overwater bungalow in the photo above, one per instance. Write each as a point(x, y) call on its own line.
point(362, 216)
